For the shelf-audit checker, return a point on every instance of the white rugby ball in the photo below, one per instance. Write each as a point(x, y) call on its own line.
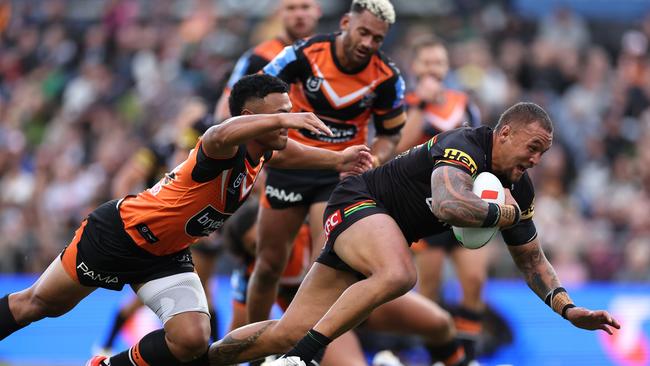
point(488, 187)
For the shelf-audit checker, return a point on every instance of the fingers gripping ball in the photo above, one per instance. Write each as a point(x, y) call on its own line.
point(488, 187)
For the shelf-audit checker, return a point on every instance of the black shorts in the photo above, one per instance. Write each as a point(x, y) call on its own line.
point(289, 188)
point(445, 240)
point(102, 254)
point(349, 203)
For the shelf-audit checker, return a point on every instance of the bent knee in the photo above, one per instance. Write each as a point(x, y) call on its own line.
point(191, 341)
point(398, 282)
point(33, 307)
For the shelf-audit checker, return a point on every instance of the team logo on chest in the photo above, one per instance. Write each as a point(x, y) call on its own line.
point(205, 222)
point(313, 83)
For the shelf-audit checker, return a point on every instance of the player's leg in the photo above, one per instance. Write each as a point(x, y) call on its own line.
point(52, 295)
point(429, 262)
point(344, 350)
point(471, 268)
point(180, 303)
point(205, 255)
point(413, 314)
point(372, 244)
point(320, 288)
point(277, 229)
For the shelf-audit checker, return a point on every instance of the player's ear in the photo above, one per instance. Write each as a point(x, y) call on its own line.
point(505, 132)
point(344, 24)
point(246, 112)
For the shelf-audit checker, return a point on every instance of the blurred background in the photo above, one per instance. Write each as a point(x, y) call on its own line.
point(85, 83)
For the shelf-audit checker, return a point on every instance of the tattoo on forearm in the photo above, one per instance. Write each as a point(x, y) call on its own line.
point(228, 350)
point(538, 272)
point(453, 200)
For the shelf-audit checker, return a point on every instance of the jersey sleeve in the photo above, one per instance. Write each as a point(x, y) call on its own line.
point(208, 168)
point(455, 148)
point(287, 64)
point(389, 110)
point(524, 232)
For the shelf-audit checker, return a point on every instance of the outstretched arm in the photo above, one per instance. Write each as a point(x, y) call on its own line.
point(542, 279)
point(221, 141)
point(355, 159)
point(453, 201)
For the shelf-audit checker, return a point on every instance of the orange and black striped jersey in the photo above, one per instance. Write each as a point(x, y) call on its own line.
point(452, 112)
point(344, 99)
point(255, 59)
point(191, 201)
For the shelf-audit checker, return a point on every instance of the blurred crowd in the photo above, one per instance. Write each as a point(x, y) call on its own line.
point(78, 96)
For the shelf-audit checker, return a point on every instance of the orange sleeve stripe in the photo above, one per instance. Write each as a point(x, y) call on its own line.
point(396, 121)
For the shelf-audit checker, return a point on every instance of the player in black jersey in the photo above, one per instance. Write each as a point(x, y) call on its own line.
point(372, 218)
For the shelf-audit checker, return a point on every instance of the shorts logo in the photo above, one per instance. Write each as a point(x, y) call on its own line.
point(96, 276)
point(332, 221)
point(358, 207)
point(282, 195)
point(461, 158)
point(313, 83)
point(205, 222)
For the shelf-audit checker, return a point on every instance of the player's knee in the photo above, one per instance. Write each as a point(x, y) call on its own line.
point(398, 282)
point(269, 270)
point(190, 341)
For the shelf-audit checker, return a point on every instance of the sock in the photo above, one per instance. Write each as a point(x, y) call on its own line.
point(469, 324)
point(151, 350)
point(214, 325)
point(450, 353)
point(309, 346)
point(118, 323)
point(8, 323)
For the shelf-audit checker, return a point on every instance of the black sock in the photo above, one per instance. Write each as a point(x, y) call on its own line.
point(152, 349)
point(450, 353)
point(469, 326)
point(8, 323)
point(118, 323)
point(214, 325)
point(309, 346)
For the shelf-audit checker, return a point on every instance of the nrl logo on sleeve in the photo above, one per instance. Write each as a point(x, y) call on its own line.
point(313, 83)
point(461, 157)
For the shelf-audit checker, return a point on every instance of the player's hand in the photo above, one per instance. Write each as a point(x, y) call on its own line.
point(354, 160)
point(306, 120)
point(592, 319)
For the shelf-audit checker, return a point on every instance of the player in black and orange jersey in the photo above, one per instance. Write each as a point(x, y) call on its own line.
point(433, 109)
point(372, 218)
point(146, 167)
point(299, 19)
point(346, 81)
point(143, 240)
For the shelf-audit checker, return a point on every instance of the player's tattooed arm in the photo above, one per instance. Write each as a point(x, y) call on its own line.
point(537, 270)
point(452, 199)
point(233, 350)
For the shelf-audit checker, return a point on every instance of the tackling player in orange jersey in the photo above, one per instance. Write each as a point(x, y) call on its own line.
point(143, 240)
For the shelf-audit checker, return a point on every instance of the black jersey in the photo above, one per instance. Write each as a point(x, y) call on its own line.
point(403, 186)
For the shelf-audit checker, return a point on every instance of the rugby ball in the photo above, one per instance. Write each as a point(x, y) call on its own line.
point(488, 187)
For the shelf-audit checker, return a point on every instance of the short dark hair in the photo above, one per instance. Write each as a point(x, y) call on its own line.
point(524, 114)
point(425, 41)
point(253, 86)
